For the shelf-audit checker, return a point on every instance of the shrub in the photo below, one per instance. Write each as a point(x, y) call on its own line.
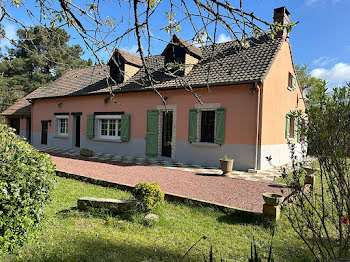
point(320, 216)
point(150, 196)
point(26, 178)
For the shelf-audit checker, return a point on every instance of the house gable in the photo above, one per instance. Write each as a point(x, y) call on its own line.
point(278, 99)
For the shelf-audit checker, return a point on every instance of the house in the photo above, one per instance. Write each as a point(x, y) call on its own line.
point(18, 116)
point(243, 116)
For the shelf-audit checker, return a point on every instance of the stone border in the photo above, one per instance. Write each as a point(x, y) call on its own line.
point(169, 197)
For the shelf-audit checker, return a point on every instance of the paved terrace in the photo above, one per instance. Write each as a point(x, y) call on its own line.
point(238, 193)
point(267, 176)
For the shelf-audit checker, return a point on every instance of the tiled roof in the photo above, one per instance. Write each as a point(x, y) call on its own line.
point(128, 57)
point(195, 50)
point(228, 64)
point(22, 107)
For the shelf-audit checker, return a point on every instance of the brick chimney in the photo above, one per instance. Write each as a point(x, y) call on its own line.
point(282, 16)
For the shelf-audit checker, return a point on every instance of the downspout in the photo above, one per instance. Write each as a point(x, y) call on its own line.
point(257, 128)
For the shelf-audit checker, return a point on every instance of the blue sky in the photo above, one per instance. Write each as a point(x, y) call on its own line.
point(321, 38)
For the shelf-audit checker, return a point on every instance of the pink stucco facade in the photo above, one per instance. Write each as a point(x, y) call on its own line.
point(250, 133)
point(239, 103)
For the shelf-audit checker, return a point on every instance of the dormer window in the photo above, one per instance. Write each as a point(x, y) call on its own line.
point(180, 56)
point(174, 60)
point(116, 72)
point(123, 66)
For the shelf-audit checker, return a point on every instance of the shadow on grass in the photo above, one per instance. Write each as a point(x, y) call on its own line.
point(242, 217)
point(95, 213)
point(91, 247)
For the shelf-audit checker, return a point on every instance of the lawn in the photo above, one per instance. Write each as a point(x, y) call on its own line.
point(70, 235)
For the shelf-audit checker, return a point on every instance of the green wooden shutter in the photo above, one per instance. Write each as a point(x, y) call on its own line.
point(192, 126)
point(152, 133)
point(90, 126)
point(125, 128)
point(294, 81)
point(287, 126)
point(220, 125)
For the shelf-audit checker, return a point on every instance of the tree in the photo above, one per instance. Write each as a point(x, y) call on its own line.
point(39, 56)
point(321, 215)
point(104, 25)
point(314, 88)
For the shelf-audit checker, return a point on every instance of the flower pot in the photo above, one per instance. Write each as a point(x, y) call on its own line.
point(272, 199)
point(226, 166)
point(86, 152)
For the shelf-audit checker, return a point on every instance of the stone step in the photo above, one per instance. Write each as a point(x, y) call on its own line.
point(114, 205)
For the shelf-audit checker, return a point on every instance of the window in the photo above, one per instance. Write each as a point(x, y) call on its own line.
point(290, 127)
point(291, 81)
point(62, 125)
point(117, 72)
point(207, 126)
point(175, 60)
point(108, 126)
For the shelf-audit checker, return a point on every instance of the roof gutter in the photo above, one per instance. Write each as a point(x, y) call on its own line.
point(121, 91)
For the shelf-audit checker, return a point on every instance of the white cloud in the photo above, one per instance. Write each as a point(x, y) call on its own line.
point(338, 74)
point(223, 38)
point(324, 61)
point(11, 33)
point(321, 2)
point(132, 49)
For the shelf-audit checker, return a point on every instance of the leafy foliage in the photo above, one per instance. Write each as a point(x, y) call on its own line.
point(26, 178)
point(39, 56)
point(320, 216)
point(150, 196)
point(312, 86)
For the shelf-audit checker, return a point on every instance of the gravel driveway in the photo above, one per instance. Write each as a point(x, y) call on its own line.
point(236, 193)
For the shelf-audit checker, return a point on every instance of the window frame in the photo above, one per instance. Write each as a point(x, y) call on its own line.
point(291, 128)
point(58, 121)
point(109, 118)
point(290, 81)
point(200, 126)
point(290, 136)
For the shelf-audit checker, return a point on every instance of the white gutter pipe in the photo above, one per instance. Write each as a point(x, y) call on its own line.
point(257, 127)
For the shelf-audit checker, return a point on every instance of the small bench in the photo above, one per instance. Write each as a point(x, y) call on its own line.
point(114, 205)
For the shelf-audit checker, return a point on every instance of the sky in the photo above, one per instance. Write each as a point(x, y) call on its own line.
point(321, 39)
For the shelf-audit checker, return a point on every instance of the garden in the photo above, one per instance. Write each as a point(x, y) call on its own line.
point(40, 220)
point(71, 235)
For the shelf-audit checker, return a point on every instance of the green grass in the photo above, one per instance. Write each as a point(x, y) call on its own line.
point(70, 235)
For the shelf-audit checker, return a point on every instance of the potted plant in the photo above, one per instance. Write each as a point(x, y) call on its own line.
point(86, 152)
point(272, 199)
point(226, 164)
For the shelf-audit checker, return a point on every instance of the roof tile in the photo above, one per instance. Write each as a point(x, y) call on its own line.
point(227, 65)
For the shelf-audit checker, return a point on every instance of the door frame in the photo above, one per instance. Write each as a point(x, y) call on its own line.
point(74, 130)
point(16, 125)
point(47, 133)
point(29, 129)
point(164, 132)
point(161, 109)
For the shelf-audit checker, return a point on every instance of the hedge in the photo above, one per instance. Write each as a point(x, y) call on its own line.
point(26, 179)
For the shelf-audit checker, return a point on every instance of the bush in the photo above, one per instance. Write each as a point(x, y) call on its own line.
point(321, 216)
point(26, 178)
point(150, 196)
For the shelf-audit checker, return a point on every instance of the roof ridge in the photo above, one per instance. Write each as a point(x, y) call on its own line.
point(233, 65)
